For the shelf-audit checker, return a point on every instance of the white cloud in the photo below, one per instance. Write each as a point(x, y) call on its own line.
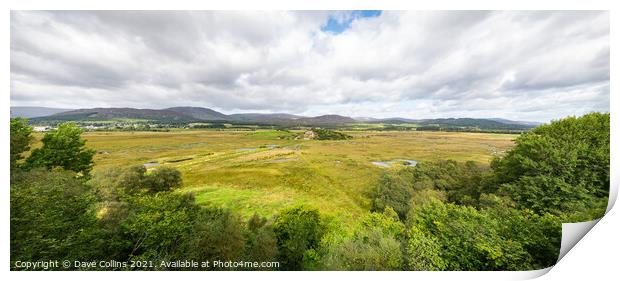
point(523, 65)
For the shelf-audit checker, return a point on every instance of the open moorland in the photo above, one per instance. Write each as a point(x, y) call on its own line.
point(264, 171)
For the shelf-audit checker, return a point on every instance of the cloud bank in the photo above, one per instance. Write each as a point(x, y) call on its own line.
point(532, 66)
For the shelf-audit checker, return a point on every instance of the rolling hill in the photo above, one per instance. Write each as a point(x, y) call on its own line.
point(34, 111)
point(485, 124)
point(102, 114)
point(192, 114)
point(198, 114)
point(506, 121)
point(264, 117)
point(325, 120)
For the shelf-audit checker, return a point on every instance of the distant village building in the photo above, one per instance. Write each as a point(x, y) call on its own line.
point(93, 127)
point(41, 128)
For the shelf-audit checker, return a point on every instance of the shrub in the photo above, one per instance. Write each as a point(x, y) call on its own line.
point(216, 234)
point(261, 241)
point(374, 245)
point(298, 230)
point(163, 179)
point(157, 224)
point(324, 134)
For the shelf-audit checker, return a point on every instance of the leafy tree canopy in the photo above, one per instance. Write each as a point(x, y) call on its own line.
point(298, 230)
point(51, 216)
point(63, 148)
point(374, 245)
point(561, 167)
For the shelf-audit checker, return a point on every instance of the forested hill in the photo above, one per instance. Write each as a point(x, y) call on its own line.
point(180, 114)
point(100, 114)
point(191, 114)
point(34, 111)
point(474, 122)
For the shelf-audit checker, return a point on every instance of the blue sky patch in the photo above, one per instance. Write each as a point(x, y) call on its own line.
point(341, 21)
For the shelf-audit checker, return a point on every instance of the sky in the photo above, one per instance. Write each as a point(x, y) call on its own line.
point(527, 65)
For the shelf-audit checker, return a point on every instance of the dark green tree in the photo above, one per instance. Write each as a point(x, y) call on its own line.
point(158, 224)
point(562, 167)
point(163, 179)
point(132, 179)
point(299, 231)
point(462, 182)
point(52, 217)
point(216, 234)
point(63, 148)
point(539, 235)
point(261, 241)
point(324, 134)
point(20, 140)
point(393, 190)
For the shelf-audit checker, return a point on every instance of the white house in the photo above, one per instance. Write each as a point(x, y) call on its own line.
point(41, 128)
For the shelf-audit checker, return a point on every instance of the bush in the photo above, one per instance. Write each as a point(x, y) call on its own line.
point(163, 179)
point(216, 234)
point(132, 179)
point(324, 134)
point(298, 230)
point(374, 245)
point(262, 244)
point(136, 179)
point(461, 183)
point(158, 224)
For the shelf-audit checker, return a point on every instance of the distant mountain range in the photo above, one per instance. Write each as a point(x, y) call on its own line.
point(487, 124)
point(197, 114)
point(34, 111)
point(506, 121)
point(188, 114)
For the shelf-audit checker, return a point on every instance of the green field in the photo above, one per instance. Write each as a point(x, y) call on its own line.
point(261, 172)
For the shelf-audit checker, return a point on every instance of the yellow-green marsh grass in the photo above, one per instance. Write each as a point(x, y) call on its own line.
point(260, 172)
